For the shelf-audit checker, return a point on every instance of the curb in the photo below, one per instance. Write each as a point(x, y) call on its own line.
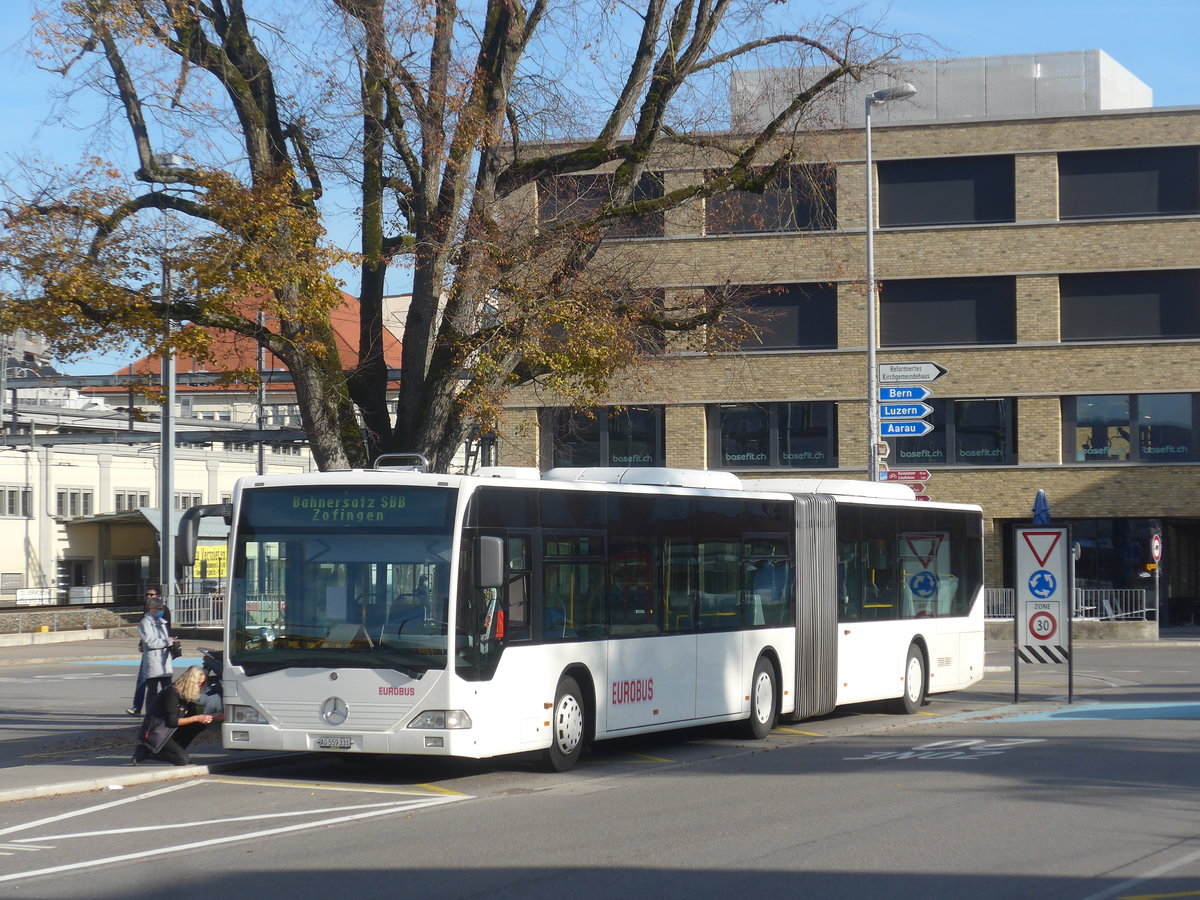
point(147, 775)
point(30, 638)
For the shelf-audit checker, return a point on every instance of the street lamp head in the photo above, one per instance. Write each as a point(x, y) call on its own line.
point(887, 95)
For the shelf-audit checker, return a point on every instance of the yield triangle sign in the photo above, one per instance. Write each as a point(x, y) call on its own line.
point(924, 547)
point(1041, 544)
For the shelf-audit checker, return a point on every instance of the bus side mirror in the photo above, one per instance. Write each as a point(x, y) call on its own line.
point(489, 562)
point(189, 529)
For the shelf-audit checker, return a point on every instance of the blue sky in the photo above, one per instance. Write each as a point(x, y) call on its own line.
point(1155, 40)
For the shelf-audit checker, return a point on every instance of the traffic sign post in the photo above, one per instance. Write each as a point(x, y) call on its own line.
point(1045, 588)
point(1156, 553)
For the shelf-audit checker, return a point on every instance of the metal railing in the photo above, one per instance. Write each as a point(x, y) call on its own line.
point(198, 610)
point(1091, 604)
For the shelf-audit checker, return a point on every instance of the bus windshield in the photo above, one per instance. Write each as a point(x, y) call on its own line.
point(355, 575)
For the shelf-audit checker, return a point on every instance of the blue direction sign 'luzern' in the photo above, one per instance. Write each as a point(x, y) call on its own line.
point(904, 410)
point(894, 393)
point(905, 428)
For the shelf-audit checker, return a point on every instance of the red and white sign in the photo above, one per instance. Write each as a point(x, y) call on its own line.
point(906, 475)
point(1041, 544)
point(1042, 626)
point(918, 487)
point(1156, 547)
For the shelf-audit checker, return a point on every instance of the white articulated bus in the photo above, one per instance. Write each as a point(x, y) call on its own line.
point(387, 611)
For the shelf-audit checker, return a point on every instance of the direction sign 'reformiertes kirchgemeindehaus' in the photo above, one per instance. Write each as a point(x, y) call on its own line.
point(1044, 588)
point(910, 373)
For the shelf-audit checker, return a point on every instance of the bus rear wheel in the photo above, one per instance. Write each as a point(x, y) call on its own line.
point(763, 692)
point(914, 682)
point(568, 726)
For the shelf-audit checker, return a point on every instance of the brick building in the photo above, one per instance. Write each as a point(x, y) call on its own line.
point(1046, 258)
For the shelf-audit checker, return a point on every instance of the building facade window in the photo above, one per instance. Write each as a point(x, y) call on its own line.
point(977, 432)
point(801, 198)
point(800, 435)
point(184, 500)
point(73, 502)
point(613, 436)
point(1143, 428)
point(967, 190)
point(124, 500)
point(1143, 181)
point(281, 414)
point(17, 502)
point(1113, 306)
point(930, 311)
point(566, 198)
point(789, 316)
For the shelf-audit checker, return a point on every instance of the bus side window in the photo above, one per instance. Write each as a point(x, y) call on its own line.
point(517, 589)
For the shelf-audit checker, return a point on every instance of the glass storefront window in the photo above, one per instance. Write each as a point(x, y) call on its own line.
point(1102, 428)
point(965, 432)
point(1164, 427)
point(773, 435)
point(745, 436)
point(612, 436)
point(981, 431)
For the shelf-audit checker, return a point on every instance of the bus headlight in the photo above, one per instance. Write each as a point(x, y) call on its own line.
point(441, 718)
point(244, 715)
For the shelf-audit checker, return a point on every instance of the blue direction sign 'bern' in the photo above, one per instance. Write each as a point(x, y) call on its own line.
point(895, 393)
point(904, 410)
point(905, 428)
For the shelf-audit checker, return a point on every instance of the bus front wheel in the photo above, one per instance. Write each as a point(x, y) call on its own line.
point(568, 726)
point(914, 682)
point(762, 700)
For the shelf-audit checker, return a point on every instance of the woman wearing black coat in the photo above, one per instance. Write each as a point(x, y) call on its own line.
point(173, 721)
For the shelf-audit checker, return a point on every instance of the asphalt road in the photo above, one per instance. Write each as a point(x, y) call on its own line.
point(974, 797)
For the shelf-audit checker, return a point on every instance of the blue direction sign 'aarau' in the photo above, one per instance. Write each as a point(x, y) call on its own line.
point(904, 410)
point(894, 393)
point(905, 428)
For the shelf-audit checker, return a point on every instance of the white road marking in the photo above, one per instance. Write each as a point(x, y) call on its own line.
point(103, 806)
point(140, 853)
point(156, 828)
point(1142, 879)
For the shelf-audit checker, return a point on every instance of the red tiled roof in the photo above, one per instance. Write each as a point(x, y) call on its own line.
point(234, 351)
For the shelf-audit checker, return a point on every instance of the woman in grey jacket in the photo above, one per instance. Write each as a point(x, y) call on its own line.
point(156, 644)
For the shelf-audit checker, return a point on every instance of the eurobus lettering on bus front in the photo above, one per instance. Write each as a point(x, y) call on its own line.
point(388, 611)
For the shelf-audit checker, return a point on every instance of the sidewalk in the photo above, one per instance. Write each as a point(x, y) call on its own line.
point(100, 758)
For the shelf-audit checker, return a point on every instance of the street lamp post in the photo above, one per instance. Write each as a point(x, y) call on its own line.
point(166, 489)
point(884, 95)
point(166, 485)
